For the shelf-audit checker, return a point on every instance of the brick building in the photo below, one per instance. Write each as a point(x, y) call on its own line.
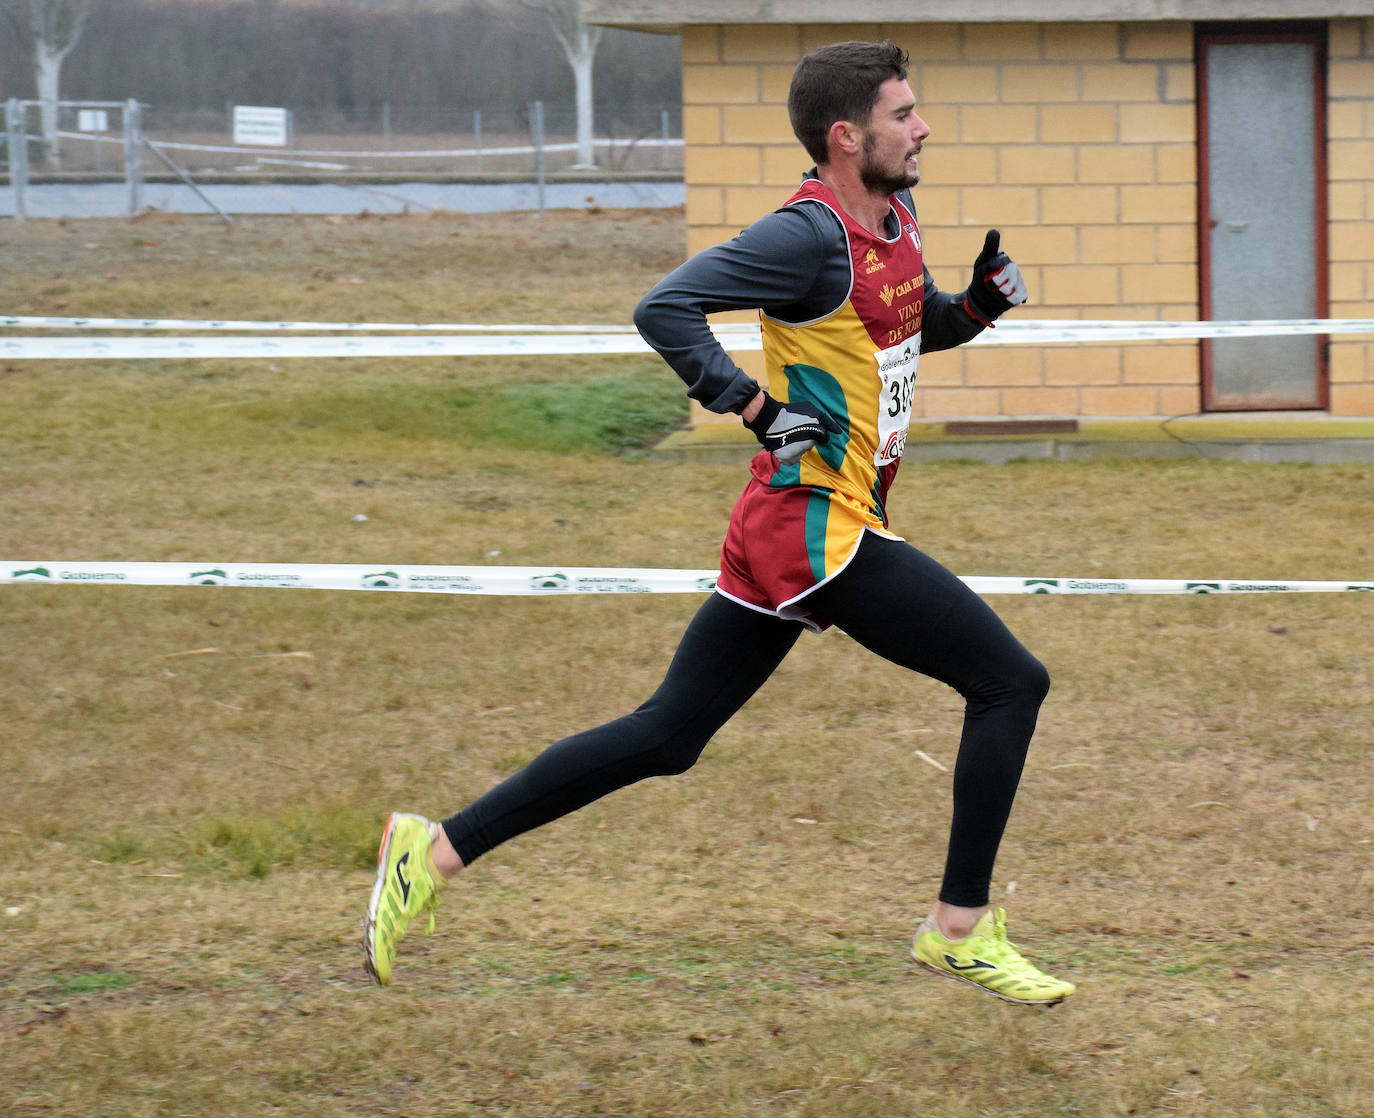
point(1144, 159)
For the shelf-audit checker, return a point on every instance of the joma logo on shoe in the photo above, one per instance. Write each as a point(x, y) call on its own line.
point(977, 964)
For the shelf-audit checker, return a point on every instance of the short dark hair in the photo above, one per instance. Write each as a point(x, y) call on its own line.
point(839, 82)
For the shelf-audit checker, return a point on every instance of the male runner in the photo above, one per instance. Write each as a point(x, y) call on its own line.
point(847, 307)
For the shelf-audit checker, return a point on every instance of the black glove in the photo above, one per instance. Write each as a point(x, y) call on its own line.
point(997, 284)
point(790, 430)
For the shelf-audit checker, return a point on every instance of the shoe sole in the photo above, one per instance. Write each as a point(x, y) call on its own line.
point(370, 921)
point(987, 989)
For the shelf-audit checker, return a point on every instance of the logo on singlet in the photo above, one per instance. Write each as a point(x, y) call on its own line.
point(872, 263)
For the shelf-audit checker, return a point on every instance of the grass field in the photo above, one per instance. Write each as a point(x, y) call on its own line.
point(195, 779)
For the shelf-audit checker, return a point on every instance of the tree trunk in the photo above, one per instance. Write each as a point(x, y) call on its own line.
point(47, 71)
point(580, 48)
point(582, 77)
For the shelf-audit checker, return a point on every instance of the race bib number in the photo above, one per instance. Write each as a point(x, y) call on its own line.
point(897, 368)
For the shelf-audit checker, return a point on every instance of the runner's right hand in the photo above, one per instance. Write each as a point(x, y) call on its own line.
point(790, 430)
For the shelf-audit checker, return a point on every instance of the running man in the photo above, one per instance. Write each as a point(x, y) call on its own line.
point(847, 307)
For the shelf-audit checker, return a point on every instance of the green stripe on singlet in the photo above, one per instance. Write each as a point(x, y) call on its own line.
point(807, 382)
point(817, 517)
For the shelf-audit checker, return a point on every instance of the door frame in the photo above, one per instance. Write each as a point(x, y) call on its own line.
point(1207, 35)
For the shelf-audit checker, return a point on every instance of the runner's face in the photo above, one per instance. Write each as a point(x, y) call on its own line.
point(893, 139)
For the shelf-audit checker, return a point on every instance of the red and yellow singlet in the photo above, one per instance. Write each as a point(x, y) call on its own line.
point(797, 526)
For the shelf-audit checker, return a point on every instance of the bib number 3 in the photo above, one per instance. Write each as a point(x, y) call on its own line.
point(897, 368)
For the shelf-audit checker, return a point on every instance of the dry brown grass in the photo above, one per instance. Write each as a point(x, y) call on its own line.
point(185, 834)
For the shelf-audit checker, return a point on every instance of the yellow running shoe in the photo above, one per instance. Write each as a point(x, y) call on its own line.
point(406, 886)
point(989, 960)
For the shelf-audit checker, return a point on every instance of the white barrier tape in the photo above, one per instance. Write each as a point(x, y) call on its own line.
point(525, 150)
point(514, 338)
point(1037, 332)
point(521, 581)
point(306, 345)
point(1113, 329)
point(342, 576)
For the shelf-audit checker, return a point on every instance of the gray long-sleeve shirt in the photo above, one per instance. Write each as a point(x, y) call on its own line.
point(794, 265)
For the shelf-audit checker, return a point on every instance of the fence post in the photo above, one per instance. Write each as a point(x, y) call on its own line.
point(17, 149)
point(537, 128)
point(133, 155)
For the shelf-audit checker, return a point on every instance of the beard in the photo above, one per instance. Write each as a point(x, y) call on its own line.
point(884, 179)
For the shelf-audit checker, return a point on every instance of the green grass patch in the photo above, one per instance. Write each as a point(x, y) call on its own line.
point(251, 845)
point(91, 983)
point(615, 414)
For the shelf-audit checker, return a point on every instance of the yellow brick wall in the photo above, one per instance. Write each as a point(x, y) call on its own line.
point(1079, 142)
point(1350, 208)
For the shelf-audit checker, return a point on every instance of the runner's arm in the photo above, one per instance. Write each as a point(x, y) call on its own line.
point(782, 260)
point(945, 323)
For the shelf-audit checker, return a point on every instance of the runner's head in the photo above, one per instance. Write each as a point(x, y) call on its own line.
point(839, 82)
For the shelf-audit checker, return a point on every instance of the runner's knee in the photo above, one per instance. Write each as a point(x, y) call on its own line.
point(1034, 681)
point(674, 758)
point(1021, 685)
point(664, 739)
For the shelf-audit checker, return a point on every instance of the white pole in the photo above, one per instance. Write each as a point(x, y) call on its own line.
point(537, 127)
point(133, 155)
point(18, 151)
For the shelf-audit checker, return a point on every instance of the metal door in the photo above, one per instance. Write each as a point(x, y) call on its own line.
point(1262, 145)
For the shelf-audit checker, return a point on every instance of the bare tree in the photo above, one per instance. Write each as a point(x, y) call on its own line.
point(51, 28)
point(579, 43)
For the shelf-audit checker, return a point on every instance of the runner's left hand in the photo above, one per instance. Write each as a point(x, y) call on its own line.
point(997, 282)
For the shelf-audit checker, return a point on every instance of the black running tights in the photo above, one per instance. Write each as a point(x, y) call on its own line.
point(892, 599)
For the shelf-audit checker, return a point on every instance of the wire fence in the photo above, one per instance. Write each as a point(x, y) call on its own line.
point(381, 140)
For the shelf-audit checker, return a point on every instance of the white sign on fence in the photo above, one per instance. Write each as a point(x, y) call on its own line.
point(92, 120)
point(261, 126)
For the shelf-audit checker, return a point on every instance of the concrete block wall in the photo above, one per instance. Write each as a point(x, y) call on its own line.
point(1350, 208)
point(1078, 141)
